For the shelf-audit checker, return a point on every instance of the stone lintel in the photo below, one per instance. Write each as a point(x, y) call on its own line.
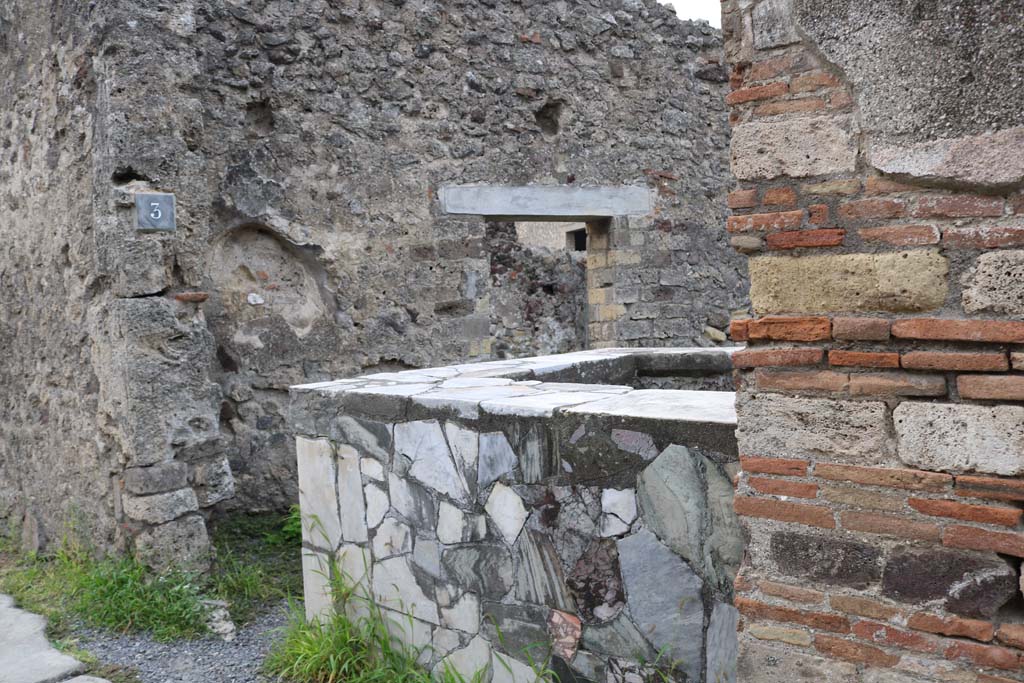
point(545, 203)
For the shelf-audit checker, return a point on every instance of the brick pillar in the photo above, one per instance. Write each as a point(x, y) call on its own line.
point(881, 425)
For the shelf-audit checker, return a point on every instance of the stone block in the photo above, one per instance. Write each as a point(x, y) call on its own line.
point(774, 664)
point(539, 578)
point(181, 544)
point(395, 588)
point(664, 599)
point(829, 560)
point(855, 432)
point(774, 25)
point(350, 490)
point(961, 438)
point(996, 284)
point(970, 585)
point(318, 496)
point(166, 476)
point(160, 507)
point(316, 586)
point(894, 282)
point(485, 569)
point(721, 649)
point(797, 148)
point(424, 444)
point(213, 482)
point(546, 202)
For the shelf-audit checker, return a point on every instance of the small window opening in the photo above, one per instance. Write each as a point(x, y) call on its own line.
point(554, 236)
point(576, 240)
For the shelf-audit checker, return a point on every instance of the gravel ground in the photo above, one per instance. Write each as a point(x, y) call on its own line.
point(209, 660)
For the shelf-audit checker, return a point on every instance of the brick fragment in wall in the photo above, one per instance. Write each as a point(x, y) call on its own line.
point(896, 282)
point(797, 148)
point(983, 237)
point(854, 432)
point(960, 437)
point(864, 359)
point(861, 329)
point(940, 329)
point(991, 387)
point(902, 235)
point(951, 360)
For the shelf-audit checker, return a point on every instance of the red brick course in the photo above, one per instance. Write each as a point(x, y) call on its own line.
point(897, 384)
point(982, 514)
point(757, 92)
point(806, 596)
point(991, 387)
point(888, 525)
point(974, 538)
point(959, 206)
point(862, 607)
point(978, 237)
point(742, 199)
point(984, 655)
point(902, 235)
point(964, 362)
point(938, 329)
point(861, 329)
point(809, 381)
point(781, 487)
point(884, 634)
point(753, 609)
point(912, 480)
point(805, 239)
point(763, 222)
point(851, 651)
point(864, 359)
point(781, 511)
point(991, 488)
point(782, 466)
point(754, 358)
point(860, 209)
point(807, 329)
point(952, 626)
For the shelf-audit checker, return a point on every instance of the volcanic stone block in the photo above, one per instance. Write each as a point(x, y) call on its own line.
point(165, 476)
point(182, 543)
point(855, 432)
point(972, 585)
point(772, 664)
point(160, 507)
point(961, 438)
point(904, 282)
point(996, 285)
point(830, 560)
point(796, 148)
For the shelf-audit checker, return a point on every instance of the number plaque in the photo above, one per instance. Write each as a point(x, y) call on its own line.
point(154, 212)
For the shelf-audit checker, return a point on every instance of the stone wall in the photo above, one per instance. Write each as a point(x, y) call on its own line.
point(881, 430)
point(500, 515)
point(306, 142)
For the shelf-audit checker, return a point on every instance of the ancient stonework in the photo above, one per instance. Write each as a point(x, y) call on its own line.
point(879, 419)
point(535, 519)
point(307, 144)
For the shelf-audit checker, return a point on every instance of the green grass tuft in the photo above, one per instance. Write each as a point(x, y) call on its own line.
point(118, 594)
point(258, 563)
